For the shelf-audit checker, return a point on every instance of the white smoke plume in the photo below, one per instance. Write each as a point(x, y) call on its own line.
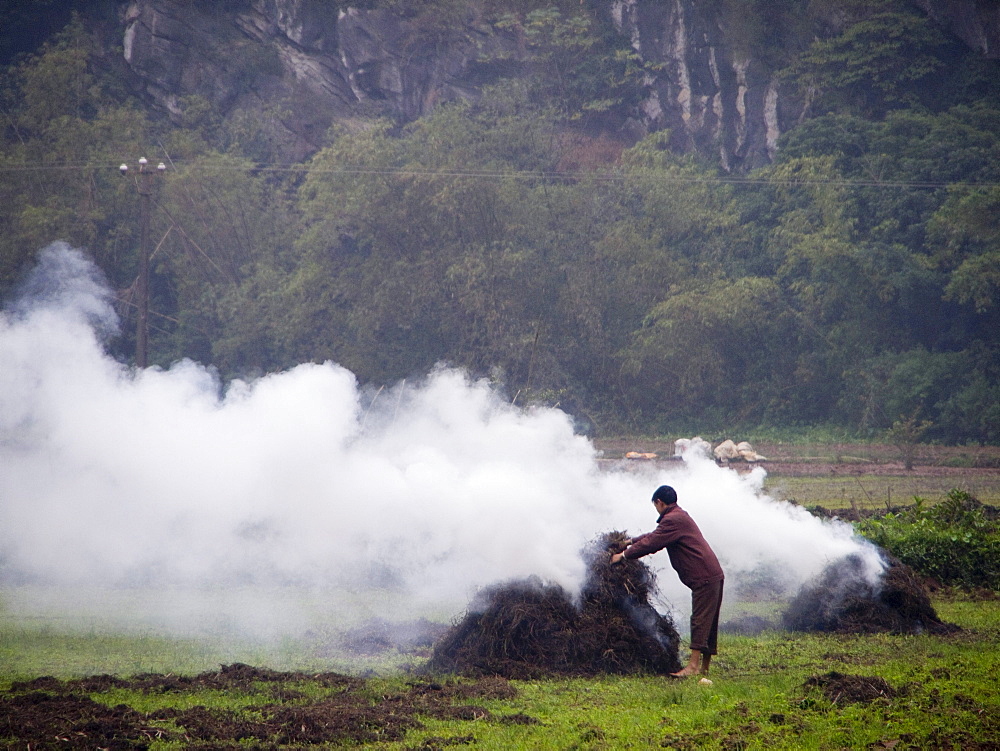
point(112, 477)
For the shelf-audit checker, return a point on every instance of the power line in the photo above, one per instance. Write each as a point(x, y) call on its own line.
point(623, 175)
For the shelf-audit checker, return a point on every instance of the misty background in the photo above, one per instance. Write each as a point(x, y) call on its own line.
point(667, 218)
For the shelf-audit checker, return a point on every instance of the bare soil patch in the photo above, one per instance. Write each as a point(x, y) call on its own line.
point(824, 455)
point(843, 475)
point(46, 713)
point(852, 689)
point(819, 459)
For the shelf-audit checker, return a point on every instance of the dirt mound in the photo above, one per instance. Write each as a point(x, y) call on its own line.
point(841, 599)
point(527, 628)
point(348, 712)
point(851, 689)
point(43, 720)
point(229, 677)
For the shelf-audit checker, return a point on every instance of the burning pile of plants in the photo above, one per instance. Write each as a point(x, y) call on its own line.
point(841, 599)
point(526, 628)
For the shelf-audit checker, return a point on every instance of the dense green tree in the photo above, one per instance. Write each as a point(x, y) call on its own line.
point(65, 137)
point(724, 350)
point(853, 281)
point(219, 228)
point(966, 231)
point(28, 24)
point(873, 64)
point(573, 61)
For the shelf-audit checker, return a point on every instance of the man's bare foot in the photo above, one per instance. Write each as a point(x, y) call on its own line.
point(685, 673)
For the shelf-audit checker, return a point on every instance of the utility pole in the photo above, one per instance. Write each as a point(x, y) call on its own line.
point(144, 186)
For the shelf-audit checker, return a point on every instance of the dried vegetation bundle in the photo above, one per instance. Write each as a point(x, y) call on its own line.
point(528, 629)
point(841, 599)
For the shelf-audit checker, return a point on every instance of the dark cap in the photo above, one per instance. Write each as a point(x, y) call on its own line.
point(665, 494)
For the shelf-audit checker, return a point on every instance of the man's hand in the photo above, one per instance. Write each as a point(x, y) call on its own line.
point(617, 558)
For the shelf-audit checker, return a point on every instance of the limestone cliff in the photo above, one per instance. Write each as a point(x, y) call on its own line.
point(710, 99)
point(294, 67)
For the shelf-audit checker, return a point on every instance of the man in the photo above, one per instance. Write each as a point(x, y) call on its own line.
point(697, 567)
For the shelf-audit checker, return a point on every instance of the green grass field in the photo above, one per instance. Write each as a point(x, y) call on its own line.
point(878, 492)
point(767, 691)
point(777, 690)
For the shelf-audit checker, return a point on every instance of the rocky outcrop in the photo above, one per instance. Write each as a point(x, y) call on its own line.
point(709, 98)
point(291, 68)
point(975, 22)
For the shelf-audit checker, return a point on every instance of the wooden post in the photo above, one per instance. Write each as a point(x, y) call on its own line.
point(142, 326)
point(144, 185)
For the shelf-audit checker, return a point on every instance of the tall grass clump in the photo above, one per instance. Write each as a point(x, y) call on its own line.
point(956, 542)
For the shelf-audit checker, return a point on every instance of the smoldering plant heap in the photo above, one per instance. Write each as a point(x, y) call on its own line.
point(841, 599)
point(529, 629)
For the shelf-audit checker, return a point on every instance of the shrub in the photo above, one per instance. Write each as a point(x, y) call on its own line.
point(955, 541)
